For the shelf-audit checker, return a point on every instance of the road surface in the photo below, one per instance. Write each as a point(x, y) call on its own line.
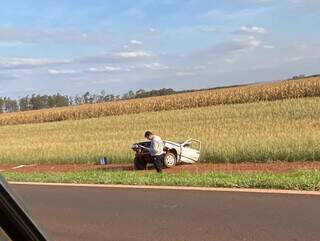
point(82, 213)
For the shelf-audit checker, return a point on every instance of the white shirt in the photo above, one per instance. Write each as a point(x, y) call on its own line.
point(156, 147)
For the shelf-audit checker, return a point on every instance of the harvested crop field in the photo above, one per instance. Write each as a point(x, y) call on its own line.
point(300, 88)
point(195, 168)
point(285, 130)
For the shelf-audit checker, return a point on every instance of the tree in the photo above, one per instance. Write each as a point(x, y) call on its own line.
point(51, 101)
point(78, 100)
point(1, 105)
point(140, 91)
point(86, 97)
point(71, 100)
point(37, 101)
point(128, 95)
point(101, 96)
point(24, 103)
point(9, 105)
point(61, 100)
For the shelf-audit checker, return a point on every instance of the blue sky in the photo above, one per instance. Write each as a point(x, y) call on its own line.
point(70, 47)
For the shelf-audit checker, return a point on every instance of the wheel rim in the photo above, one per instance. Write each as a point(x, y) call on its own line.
point(170, 160)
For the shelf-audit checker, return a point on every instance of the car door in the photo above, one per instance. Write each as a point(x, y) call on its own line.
point(190, 152)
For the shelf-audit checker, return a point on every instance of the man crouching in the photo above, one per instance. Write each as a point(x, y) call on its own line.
point(155, 150)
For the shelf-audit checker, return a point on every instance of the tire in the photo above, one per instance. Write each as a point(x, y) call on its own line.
point(170, 160)
point(139, 164)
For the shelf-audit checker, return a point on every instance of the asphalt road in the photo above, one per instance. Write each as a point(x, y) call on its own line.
point(79, 213)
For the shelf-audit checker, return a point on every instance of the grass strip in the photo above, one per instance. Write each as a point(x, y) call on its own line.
point(297, 180)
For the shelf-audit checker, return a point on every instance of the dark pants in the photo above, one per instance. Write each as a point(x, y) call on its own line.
point(158, 162)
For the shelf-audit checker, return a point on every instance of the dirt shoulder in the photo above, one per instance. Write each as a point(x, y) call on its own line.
point(195, 168)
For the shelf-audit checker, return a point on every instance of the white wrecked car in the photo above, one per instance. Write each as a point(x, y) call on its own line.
point(175, 152)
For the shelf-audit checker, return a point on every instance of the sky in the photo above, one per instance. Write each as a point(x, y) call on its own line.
point(71, 47)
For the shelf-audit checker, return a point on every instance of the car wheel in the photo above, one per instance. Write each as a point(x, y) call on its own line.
point(170, 160)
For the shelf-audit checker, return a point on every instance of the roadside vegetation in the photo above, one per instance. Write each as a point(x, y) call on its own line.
point(289, 89)
point(284, 130)
point(299, 180)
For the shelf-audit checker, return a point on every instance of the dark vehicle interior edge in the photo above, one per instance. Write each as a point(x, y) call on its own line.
point(15, 222)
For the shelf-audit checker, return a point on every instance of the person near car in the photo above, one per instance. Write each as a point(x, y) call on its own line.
point(156, 150)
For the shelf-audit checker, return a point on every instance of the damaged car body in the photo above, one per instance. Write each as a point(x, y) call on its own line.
point(174, 152)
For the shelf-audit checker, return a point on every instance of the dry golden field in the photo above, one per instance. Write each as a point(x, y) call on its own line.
point(284, 130)
point(308, 87)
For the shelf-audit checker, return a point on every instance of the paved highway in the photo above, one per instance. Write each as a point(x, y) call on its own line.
point(82, 213)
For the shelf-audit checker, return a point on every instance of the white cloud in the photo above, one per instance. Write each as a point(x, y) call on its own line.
point(253, 42)
point(104, 69)
point(132, 54)
point(228, 49)
point(116, 57)
point(112, 57)
point(251, 30)
point(249, 42)
point(135, 42)
point(268, 46)
point(184, 73)
point(61, 71)
point(91, 69)
point(152, 30)
point(21, 63)
point(156, 66)
point(110, 68)
point(30, 89)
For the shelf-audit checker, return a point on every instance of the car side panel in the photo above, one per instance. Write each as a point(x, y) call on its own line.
point(189, 155)
point(184, 154)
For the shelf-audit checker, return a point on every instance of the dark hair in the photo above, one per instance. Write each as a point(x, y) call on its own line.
point(148, 133)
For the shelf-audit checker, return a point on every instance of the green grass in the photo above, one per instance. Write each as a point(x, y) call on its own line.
point(298, 180)
point(287, 130)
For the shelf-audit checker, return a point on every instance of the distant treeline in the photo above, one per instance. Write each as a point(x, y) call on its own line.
point(37, 102)
point(303, 76)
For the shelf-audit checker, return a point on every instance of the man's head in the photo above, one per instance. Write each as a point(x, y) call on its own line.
point(148, 135)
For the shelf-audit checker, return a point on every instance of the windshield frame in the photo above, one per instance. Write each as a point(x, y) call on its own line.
point(15, 220)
